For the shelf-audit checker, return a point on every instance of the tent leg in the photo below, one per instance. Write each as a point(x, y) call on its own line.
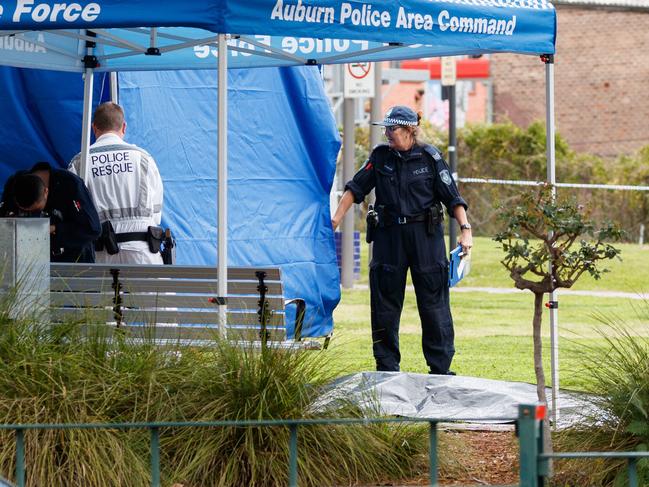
point(347, 238)
point(88, 81)
point(376, 113)
point(222, 171)
point(550, 152)
point(114, 92)
point(88, 84)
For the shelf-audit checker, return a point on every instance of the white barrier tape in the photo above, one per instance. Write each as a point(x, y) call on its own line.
point(559, 185)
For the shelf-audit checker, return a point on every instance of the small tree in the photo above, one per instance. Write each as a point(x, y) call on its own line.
point(540, 230)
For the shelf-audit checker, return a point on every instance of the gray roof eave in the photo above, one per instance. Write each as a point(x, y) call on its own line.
point(636, 5)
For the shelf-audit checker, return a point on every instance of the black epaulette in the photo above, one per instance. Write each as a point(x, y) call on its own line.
point(381, 147)
point(382, 153)
point(433, 151)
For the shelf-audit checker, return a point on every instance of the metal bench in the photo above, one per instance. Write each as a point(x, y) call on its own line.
point(175, 303)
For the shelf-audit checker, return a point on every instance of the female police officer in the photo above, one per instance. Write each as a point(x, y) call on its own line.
point(410, 179)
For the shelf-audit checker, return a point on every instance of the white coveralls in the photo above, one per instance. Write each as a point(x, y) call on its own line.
point(126, 188)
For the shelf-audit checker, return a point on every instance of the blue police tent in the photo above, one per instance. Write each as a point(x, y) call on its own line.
point(107, 35)
point(282, 162)
point(283, 144)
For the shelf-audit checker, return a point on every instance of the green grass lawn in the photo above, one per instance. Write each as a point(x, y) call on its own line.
point(493, 331)
point(487, 271)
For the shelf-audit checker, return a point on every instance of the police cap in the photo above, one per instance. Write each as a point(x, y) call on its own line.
point(399, 115)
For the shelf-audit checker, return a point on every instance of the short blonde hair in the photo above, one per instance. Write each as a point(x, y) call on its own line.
point(108, 117)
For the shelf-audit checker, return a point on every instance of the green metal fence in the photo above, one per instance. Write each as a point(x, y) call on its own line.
point(528, 423)
point(631, 457)
point(529, 427)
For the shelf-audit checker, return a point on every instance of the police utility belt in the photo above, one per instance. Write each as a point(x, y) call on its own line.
point(380, 217)
point(390, 220)
point(109, 240)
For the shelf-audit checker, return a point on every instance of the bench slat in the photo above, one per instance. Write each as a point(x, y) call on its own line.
point(159, 285)
point(175, 271)
point(162, 316)
point(184, 332)
point(175, 298)
point(81, 299)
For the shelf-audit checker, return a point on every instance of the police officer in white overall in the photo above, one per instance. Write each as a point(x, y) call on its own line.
point(410, 179)
point(126, 187)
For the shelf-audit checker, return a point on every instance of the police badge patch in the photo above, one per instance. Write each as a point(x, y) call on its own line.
point(446, 177)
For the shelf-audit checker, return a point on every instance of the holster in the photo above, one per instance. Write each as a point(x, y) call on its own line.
point(435, 217)
point(107, 240)
point(154, 237)
point(168, 251)
point(372, 220)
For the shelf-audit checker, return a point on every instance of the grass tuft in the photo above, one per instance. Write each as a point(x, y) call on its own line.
point(55, 375)
point(618, 371)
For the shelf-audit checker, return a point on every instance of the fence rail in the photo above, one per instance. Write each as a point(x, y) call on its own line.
point(529, 427)
point(631, 457)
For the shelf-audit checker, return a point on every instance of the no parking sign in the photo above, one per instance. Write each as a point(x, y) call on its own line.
point(359, 80)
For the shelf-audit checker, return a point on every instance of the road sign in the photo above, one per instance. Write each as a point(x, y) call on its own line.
point(359, 80)
point(449, 71)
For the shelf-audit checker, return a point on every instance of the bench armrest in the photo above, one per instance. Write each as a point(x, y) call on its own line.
point(300, 311)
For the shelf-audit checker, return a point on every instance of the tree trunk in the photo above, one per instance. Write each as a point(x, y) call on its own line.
point(538, 347)
point(538, 370)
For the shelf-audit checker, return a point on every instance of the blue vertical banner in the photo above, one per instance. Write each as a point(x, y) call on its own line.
point(41, 117)
point(282, 149)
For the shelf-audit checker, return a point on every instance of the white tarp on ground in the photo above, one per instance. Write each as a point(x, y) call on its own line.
point(448, 397)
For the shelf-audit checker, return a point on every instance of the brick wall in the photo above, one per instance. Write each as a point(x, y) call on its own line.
point(601, 81)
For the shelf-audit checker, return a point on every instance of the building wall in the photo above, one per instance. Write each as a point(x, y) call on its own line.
point(601, 81)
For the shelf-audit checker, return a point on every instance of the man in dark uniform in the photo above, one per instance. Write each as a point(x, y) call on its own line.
point(63, 197)
point(410, 179)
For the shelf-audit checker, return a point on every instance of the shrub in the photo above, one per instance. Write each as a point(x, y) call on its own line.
point(508, 152)
point(619, 421)
point(54, 375)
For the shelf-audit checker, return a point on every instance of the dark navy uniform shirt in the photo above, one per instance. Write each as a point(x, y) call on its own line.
point(71, 211)
point(407, 183)
point(80, 226)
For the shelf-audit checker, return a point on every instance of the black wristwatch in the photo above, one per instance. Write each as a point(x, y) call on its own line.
point(465, 226)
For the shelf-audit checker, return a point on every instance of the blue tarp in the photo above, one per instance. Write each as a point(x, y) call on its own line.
point(41, 118)
point(282, 144)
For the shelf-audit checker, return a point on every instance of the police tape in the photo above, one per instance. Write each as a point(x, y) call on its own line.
point(623, 187)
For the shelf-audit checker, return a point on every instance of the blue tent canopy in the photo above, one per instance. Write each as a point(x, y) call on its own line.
point(280, 175)
point(181, 35)
point(120, 35)
point(408, 21)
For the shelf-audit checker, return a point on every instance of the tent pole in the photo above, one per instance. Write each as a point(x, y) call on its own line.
point(114, 96)
point(376, 113)
point(88, 82)
point(452, 154)
point(347, 238)
point(550, 152)
point(222, 192)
